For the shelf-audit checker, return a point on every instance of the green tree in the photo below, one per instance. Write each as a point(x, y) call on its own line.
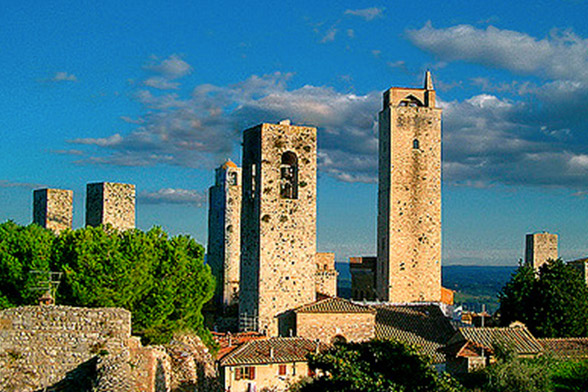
point(513, 374)
point(379, 365)
point(22, 250)
point(552, 302)
point(163, 281)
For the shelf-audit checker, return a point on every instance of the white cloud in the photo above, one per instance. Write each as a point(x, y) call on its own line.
point(26, 185)
point(329, 35)
point(174, 196)
point(171, 68)
point(160, 83)
point(561, 55)
point(63, 77)
point(367, 13)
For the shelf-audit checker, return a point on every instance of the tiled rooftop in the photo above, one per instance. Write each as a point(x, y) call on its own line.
point(422, 325)
point(272, 350)
point(566, 347)
point(334, 305)
point(519, 338)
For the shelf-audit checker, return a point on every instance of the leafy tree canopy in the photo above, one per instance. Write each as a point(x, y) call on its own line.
point(552, 302)
point(163, 281)
point(374, 366)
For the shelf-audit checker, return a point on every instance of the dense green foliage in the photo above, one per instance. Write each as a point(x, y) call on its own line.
point(552, 302)
point(512, 374)
point(374, 366)
point(163, 281)
point(570, 376)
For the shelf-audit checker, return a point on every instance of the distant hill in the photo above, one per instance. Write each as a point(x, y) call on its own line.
point(474, 285)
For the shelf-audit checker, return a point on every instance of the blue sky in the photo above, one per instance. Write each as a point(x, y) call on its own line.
point(157, 93)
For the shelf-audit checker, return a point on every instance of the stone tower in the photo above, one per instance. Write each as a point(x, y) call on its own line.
point(409, 196)
point(53, 208)
point(540, 247)
point(224, 232)
point(110, 203)
point(278, 223)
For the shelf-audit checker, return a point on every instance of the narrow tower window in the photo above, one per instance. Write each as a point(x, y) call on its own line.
point(232, 178)
point(415, 144)
point(289, 176)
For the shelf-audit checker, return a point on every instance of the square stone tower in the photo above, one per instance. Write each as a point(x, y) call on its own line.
point(53, 208)
point(409, 196)
point(110, 203)
point(224, 232)
point(278, 223)
point(540, 247)
point(326, 274)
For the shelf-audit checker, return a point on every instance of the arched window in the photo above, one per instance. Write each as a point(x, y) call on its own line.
point(415, 144)
point(289, 176)
point(411, 101)
point(232, 178)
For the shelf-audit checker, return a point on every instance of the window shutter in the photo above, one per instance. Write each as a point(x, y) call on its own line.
point(252, 373)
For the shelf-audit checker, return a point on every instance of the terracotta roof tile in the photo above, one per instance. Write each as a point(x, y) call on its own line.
point(566, 347)
point(422, 325)
point(521, 340)
point(273, 350)
point(334, 305)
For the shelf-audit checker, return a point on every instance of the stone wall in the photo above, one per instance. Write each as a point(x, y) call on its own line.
point(540, 247)
point(85, 349)
point(62, 346)
point(110, 203)
point(326, 274)
point(356, 327)
point(224, 232)
point(409, 196)
point(53, 208)
point(278, 222)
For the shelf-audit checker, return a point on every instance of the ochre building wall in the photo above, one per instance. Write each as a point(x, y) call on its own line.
point(355, 327)
point(266, 376)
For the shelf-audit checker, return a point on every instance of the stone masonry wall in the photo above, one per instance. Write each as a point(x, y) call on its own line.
point(62, 346)
point(539, 248)
point(326, 274)
point(224, 232)
point(356, 327)
point(110, 203)
point(409, 197)
point(53, 208)
point(279, 234)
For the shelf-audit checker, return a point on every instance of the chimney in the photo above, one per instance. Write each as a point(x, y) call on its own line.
point(318, 342)
point(271, 353)
point(230, 339)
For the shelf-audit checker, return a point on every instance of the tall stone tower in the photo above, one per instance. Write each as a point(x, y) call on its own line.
point(278, 223)
point(224, 232)
point(53, 208)
point(539, 248)
point(409, 196)
point(110, 203)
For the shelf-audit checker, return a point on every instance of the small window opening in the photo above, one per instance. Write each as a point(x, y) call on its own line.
point(410, 101)
point(253, 181)
point(289, 176)
point(415, 144)
point(233, 178)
